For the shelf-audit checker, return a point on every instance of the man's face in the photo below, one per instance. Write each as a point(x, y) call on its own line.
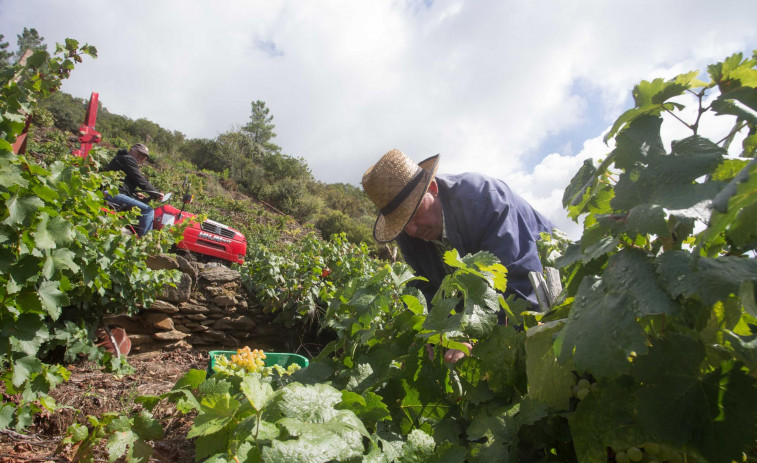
point(141, 158)
point(427, 223)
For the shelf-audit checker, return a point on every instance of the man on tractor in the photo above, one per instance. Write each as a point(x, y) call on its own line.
point(135, 188)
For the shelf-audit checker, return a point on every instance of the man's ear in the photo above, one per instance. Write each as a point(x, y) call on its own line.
point(433, 188)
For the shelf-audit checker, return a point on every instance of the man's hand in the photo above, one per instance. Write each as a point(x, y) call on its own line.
point(140, 196)
point(451, 355)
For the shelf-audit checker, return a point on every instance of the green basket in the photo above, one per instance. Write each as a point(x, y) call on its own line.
point(271, 358)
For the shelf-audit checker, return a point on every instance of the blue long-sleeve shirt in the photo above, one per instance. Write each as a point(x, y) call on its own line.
point(481, 213)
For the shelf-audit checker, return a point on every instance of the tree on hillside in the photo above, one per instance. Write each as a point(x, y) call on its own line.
point(260, 128)
point(29, 39)
point(5, 55)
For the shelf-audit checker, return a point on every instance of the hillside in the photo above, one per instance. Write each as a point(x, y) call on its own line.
point(239, 165)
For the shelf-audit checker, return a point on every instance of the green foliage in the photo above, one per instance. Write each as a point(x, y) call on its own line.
point(260, 128)
point(5, 55)
point(64, 262)
point(301, 279)
point(657, 302)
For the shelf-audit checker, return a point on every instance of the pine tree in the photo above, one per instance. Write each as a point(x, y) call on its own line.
point(5, 55)
point(260, 128)
point(29, 39)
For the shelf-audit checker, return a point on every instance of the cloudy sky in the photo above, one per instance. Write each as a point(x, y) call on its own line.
point(519, 90)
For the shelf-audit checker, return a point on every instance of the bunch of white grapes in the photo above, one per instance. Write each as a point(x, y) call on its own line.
point(247, 361)
point(583, 388)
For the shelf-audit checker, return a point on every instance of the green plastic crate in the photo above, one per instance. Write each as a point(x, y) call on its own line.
point(271, 358)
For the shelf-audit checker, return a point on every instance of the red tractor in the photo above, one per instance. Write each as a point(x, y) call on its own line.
point(208, 240)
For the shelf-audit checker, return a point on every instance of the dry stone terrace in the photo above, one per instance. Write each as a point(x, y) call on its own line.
point(208, 309)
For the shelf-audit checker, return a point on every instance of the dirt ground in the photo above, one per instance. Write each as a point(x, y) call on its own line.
point(92, 392)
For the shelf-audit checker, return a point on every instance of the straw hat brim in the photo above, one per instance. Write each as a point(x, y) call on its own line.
point(388, 226)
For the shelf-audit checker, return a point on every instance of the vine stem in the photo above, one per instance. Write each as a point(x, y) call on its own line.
point(692, 127)
point(734, 130)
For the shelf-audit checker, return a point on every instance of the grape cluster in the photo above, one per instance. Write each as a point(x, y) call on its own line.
point(243, 362)
point(583, 388)
point(247, 361)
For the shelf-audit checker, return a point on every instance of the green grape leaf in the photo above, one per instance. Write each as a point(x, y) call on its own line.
point(732, 207)
point(630, 271)
point(639, 142)
point(216, 411)
point(501, 358)
point(147, 427)
point(53, 300)
point(58, 260)
point(26, 334)
point(711, 279)
point(646, 219)
point(118, 444)
point(191, 379)
point(42, 236)
point(605, 418)
point(576, 189)
point(20, 208)
point(498, 426)
point(6, 415)
point(313, 404)
point(216, 443)
point(670, 180)
point(745, 347)
point(257, 392)
point(722, 439)
point(25, 269)
point(673, 399)
point(601, 333)
point(24, 368)
point(338, 439)
point(548, 381)
point(447, 452)
point(10, 175)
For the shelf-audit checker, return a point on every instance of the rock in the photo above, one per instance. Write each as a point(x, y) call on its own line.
point(215, 291)
point(219, 274)
point(169, 335)
point(162, 262)
point(184, 329)
point(139, 340)
point(237, 323)
point(215, 309)
point(190, 308)
point(163, 306)
point(218, 335)
point(224, 301)
point(197, 317)
point(159, 320)
point(187, 267)
point(179, 345)
point(180, 293)
point(132, 325)
point(200, 328)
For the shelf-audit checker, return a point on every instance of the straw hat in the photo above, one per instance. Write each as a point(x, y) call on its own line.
point(396, 186)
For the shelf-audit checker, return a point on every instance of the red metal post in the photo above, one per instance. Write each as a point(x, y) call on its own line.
point(87, 133)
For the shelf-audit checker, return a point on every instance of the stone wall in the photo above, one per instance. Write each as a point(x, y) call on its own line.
point(208, 309)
